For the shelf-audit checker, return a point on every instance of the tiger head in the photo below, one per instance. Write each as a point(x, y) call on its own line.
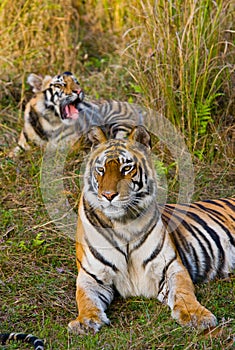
point(62, 94)
point(119, 179)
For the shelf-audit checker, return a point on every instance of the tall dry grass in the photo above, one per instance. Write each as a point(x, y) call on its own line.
point(54, 35)
point(40, 35)
point(180, 54)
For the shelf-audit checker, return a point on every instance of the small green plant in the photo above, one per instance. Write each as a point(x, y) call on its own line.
point(35, 244)
point(37, 241)
point(161, 168)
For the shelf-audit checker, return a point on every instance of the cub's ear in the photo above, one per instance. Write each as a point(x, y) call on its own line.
point(96, 136)
point(38, 83)
point(141, 135)
point(67, 73)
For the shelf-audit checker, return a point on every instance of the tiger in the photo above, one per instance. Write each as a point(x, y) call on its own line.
point(58, 113)
point(37, 343)
point(127, 242)
point(50, 113)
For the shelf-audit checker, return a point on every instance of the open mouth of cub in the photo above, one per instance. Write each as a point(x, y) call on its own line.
point(69, 111)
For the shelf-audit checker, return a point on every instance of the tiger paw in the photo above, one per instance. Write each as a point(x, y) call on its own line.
point(200, 317)
point(83, 325)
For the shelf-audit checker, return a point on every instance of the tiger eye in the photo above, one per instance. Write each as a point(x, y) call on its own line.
point(127, 168)
point(57, 85)
point(100, 170)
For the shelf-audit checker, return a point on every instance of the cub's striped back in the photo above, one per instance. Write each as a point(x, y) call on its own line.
point(59, 114)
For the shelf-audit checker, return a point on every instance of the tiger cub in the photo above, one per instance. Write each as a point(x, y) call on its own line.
point(51, 112)
point(125, 241)
point(58, 114)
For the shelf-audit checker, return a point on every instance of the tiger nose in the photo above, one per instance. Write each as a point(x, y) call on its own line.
point(109, 195)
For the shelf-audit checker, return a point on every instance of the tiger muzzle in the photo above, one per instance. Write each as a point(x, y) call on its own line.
point(110, 195)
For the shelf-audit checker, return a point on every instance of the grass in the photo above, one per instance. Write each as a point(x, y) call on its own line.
point(186, 65)
point(38, 272)
point(104, 44)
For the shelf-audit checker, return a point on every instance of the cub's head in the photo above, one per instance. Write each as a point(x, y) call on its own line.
point(119, 179)
point(61, 94)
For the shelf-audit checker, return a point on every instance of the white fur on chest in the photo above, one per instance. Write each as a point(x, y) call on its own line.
point(132, 276)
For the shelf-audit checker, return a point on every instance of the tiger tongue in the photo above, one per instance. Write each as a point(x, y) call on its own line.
point(71, 112)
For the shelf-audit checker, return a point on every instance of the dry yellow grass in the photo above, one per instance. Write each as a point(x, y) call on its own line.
point(179, 55)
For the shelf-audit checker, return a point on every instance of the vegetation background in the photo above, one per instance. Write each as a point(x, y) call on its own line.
point(177, 57)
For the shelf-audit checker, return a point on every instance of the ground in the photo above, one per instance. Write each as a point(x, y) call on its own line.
point(38, 270)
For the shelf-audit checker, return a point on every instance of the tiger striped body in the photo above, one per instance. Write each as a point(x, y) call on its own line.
point(37, 343)
point(124, 240)
point(59, 114)
point(203, 233)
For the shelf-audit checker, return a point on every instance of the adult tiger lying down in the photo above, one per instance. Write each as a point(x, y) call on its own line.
point(123, 243)
point(59, 114)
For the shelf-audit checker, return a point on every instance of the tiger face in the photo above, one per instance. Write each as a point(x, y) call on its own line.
point(115, 180)
point(52, 113)
point(63, 95)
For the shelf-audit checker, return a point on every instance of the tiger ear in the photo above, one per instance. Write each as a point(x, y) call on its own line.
point(141, 135)
point(38, 83)
point(96, 136)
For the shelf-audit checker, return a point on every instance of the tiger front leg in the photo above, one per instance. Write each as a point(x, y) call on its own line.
point(92, 300)
point(21, 146)
point(185, 307)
